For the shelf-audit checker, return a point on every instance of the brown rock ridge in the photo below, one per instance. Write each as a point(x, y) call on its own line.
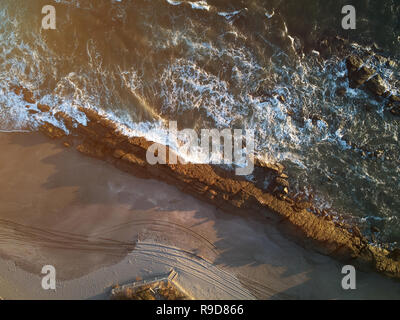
point(361, 76)
point(101, 139)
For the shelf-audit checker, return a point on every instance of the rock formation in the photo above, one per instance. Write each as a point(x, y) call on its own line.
point(266, 197)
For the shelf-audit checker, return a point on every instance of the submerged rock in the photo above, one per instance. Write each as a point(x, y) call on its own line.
point(376, 85)
point(396, 111)
point(282, 182)
point(27, 94)
point(358, 73)
point(394, 98)
point(341, 91)
point(43, 107)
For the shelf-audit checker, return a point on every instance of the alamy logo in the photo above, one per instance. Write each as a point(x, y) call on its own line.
point(349, 20)
point(187, 145)
point(49, 20)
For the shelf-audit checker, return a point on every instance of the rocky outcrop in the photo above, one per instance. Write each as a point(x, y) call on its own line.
point(358, 73)
point(266, 197)
point(396, 110)
point(394, 105)
point(361, 76)
point(376, 86)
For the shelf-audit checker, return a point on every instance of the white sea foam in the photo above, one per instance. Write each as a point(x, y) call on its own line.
point(200, 5)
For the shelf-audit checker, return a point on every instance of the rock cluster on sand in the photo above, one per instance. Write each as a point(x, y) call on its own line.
point(267, 196)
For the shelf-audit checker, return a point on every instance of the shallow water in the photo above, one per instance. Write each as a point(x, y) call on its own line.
point(220, 64)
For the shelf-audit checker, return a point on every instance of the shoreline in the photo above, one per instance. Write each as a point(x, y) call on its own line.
point(101, 139)
point(101, 227)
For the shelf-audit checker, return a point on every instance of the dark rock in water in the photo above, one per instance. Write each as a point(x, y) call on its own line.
point(282, 182)
point(43, 107)
point(375, 229)
point(265, 174)
point(263, 93)
point(353, 63)
point(391, 64)
point(376, 85)
point(341, 91)
point(395, 254)
point(27, 94)
point(279, 186)
point(315, 118)
point(394, 98)
point(396, 111)
point(276, 168)
point(358, 74)
point(380, 58)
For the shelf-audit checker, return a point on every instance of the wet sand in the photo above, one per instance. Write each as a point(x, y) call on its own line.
point(100, 226)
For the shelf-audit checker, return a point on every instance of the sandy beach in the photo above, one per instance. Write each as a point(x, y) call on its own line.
point(99, 227)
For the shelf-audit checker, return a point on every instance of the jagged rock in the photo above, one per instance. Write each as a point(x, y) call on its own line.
point(380, 59)
point(43, 107)
point(62, 116)
point(279, 187)
point(341, 91)
point(394, 98)
point(396, 111)
point(376, 85)
point(282, 182)
point(304, 205)
point(357, 232)
point(375, 229)
point(358, 74)
point(391, 64)
point(52, 131)
point(277, 168)
point(27, 95)
point(395, 254)
point(353, 63)
point(359, 77)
